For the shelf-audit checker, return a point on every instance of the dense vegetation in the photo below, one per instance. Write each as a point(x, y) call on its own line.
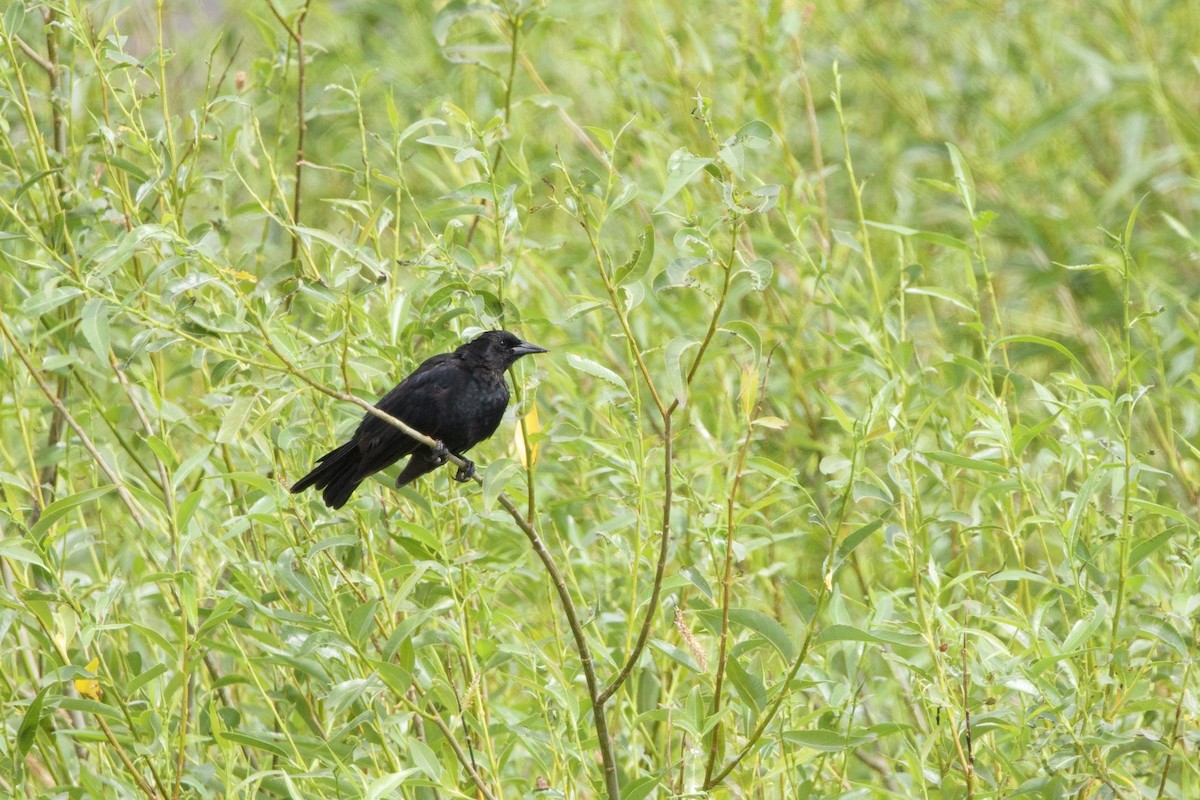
point(864, 463)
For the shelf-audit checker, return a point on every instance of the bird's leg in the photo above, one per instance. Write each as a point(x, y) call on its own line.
point(466, 471)
point(441, 455)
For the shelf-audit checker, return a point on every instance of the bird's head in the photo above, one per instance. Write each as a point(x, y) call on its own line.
point(498, 349)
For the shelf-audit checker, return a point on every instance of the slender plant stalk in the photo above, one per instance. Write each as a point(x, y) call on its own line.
point(84, 439)
point(296, 34)
point(856, 192)
point(814, 134)
point(727, 574)
point(969, 763)
point(185, 707)
point(826, 588)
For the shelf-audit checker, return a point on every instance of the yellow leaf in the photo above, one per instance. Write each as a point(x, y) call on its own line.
point(527, 455)
point(89, 687)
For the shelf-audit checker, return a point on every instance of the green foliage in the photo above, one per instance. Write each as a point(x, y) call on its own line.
point(864, 462)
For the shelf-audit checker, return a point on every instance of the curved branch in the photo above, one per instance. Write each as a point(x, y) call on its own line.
point(665, 533)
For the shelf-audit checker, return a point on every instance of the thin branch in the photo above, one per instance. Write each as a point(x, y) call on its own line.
point(297, 36)
point(814, 133)
point(164, 477)
point(34, 55)
point(184, 722)
point(146, 788)
point(823, 592)
point(659, 570)
point(727, 577)
point(514, 23)
point(585, 653)
point(466, 763)
point(84, 439)
point(969, 765)
point(668, 448)
point(48, 475)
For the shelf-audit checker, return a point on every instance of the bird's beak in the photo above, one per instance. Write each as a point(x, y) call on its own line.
point(525, 349)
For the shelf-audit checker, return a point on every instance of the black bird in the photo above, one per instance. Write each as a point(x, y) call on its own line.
point(456, 398)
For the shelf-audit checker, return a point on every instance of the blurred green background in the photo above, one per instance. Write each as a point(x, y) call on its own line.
point(872, 399)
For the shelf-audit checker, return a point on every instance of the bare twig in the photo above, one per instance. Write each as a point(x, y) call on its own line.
point(115, 743)
point(34, 55)
point(585, 653)
point(466, 763)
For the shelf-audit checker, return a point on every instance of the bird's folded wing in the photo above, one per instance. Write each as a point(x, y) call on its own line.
point(418, 401)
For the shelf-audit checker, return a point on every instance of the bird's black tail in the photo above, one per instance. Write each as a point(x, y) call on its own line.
point(336, 473)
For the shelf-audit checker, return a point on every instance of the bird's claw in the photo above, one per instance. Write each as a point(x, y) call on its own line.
point(466, 472)
point(440, 454)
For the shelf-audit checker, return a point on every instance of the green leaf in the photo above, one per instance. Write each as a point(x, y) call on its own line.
point(132, 688)
point(760, 271)
point(675, 654)
point(1044, 342)
point(673, 355)
point(93, 321)
point(1156, 509)
point(63, 505)
point(425, 759)
point(766, 466)
point(458, 10)
point(386, 786)
point(261, 482)
point(682, 166)
point(344, 540)
point(1083, 629)
point(185, 510)
point(747, 332)
point(639, 260)
point(749, 687)
point(849, 633)
point(1023, 435)
point(847, 545)
point(217, 615)
point(826, 741)
point(361, 622)
point(697, 580)
point(641, 788)
point(962, 462)
point(1144, 548)
point(257, 742)
point(234, 423)
point(766, 627)
point(1020, 575)
point(941, 294)
point(605, 374)
point(494, 479)
point(962, 178)
point(13, 550)
point(48, 298)
point(30, 721)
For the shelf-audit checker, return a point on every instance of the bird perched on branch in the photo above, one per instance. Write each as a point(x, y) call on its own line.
point(455, 398)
